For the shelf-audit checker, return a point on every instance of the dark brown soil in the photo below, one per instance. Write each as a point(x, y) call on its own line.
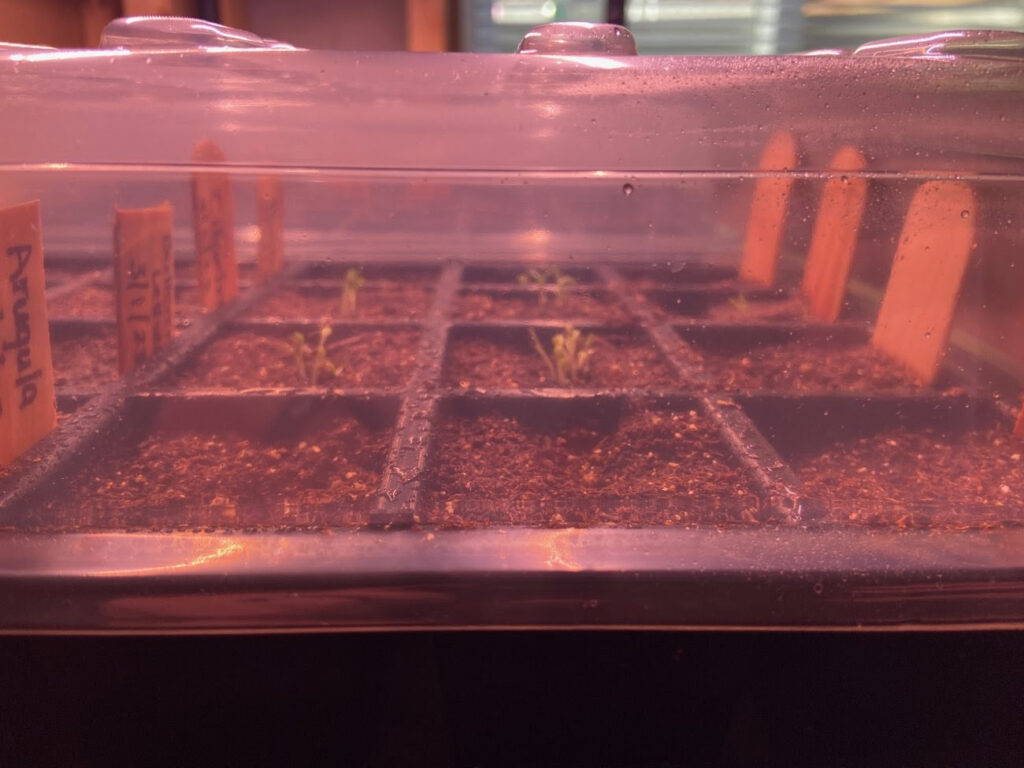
point(681, 275)
point(194, 479)
point(654, 468)
point(96, 302)
point(67, 406)
point(87, 361)
point(385, 301)
point(509, 362)
point(594, 306)
point(246, 359)
point(735, 308)
point(91, 302)
point(758, 311)
point(804, 367)
point(920, 479)
point(402, 273)
point(510, 274)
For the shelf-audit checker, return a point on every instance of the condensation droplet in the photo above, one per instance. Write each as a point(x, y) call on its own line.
point(964, 214)
point(627, 189)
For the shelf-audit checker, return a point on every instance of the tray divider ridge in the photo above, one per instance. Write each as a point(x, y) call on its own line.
point(399, 494)
point(772, 476)
point(90, 422)
point(774, 479)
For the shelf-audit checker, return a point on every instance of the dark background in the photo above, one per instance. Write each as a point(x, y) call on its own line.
point(467, 699)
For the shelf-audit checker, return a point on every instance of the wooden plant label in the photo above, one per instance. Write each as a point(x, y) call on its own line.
point(270, 216)
point(28, 405)
point(835, 237)
point(214, 223)
point(143, 283)
point(768, 211)
point(917, 311)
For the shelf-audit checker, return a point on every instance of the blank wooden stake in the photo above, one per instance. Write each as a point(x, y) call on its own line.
point(270, 218)
point(28, 405)
point(917, 311)
point(159, 7)
point(768, 211)
point(426, 25)
point(835, 237)
point(143, 283)
point(214, 224)
point(233, 13)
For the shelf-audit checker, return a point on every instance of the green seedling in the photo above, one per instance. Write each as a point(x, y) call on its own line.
point(547, 281)
point(353, 281)
point(740, 303)
point(534, 278)
point(309, 374)
point(571, 352)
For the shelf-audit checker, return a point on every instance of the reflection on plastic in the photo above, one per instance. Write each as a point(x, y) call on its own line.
point(159, 32)
point(578, 39)
point(944, 45)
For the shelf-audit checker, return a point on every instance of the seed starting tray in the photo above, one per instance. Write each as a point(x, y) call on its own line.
point(787, 566)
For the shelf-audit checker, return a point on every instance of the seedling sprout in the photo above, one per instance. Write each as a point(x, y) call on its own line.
point(309, 374)
point(740, 303)
point(571, 352)
point(551, 279)
point(353, 281)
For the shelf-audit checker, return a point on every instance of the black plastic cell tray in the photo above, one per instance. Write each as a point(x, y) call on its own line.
point(791, 570)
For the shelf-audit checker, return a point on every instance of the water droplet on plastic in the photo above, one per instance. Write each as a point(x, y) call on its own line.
point(964, 214)
point(627, 189)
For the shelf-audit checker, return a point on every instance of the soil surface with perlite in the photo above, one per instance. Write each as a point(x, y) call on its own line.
point(192, 479)
point(594, 306)
point(85, 361)
point(385, 301)
point(803, 367)
point(620, 359)
point(920, 479)
point(251, 360)
point(651, 468)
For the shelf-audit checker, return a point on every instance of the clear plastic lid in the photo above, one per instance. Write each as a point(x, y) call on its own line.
point(570, 337)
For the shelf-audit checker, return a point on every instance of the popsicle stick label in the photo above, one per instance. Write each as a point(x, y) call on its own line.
point(143, 283)
point(917, 311)
point(767, 221)
point(28, 406)
point(270, 218)
point(834, 239)
point(214, 224)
